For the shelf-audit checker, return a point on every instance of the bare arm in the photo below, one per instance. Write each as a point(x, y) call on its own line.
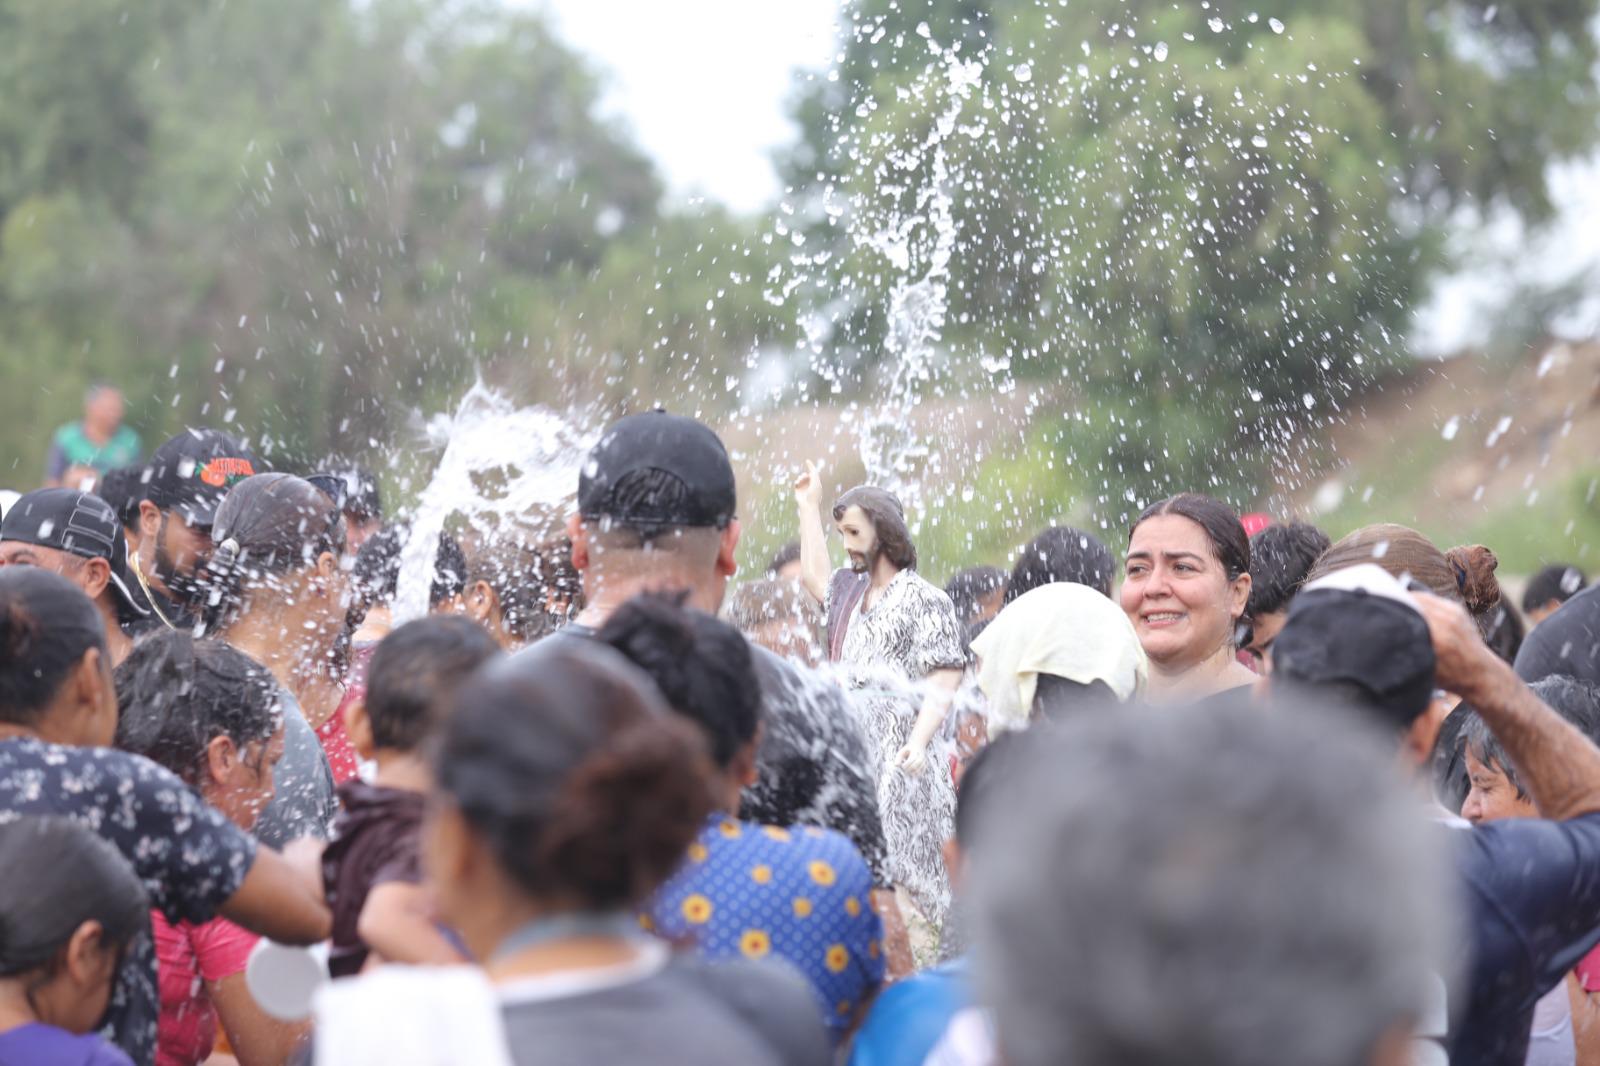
point(1559, 765)
point(276, 902)
point(815, 569)
point(936, 700)
point(396, 923)
point(257, 1038)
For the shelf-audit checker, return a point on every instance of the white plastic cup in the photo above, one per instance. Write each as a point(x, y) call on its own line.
point(283, 979)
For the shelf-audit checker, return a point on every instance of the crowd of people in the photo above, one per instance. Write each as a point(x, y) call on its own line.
point(1228, 792)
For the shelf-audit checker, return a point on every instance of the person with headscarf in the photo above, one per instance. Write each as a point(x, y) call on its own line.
point(1054, 648)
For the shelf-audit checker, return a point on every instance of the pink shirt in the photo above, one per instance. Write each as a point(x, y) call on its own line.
point(187, 956)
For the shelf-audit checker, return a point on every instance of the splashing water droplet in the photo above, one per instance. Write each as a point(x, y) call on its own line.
point(1160, 52)
point(1277, 27)
point(1451, 428)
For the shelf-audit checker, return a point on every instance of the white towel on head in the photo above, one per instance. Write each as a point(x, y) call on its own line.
point(1068, 630)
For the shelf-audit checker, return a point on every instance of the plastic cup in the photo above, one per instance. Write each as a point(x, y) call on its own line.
point(283, 979)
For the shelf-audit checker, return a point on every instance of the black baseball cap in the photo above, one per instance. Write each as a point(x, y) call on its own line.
point(77, 522)
point(653, 470)
point(1357, 631)
point(192, 472)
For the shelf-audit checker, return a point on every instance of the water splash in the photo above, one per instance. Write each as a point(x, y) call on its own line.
point(891, 448)
point(500, 462)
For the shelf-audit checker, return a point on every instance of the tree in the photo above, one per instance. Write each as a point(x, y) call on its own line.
point(1211, 224)
point(334, 215)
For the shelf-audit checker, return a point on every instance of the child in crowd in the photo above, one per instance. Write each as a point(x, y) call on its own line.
point(370, 870)
point(63, 931)
point(211, 715)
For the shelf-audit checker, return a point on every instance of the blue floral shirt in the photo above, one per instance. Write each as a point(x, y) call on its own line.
point(802, 895)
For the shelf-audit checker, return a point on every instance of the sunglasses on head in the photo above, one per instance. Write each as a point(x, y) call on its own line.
point(332, 486)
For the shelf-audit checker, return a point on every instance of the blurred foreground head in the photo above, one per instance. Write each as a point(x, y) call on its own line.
point(1228, 886)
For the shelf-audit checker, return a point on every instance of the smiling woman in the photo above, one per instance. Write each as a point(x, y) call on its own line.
point(1186, 585)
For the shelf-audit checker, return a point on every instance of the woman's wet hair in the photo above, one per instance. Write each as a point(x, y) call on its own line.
point(888, 518)
point(1463, 574)
point(1061, 553)
point(73, 877)
point(1575, 700)
point(176, 694)
point(376, 573)
point(571, 770)
point(968, 588)
point(1229, 544)
point(268, 525)
point(414, 673)
point(1280, 558)
point(526, 571)
point(702, 667)
point(47, 625)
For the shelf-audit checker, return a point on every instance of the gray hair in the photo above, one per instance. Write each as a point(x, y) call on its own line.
point(1219, 886)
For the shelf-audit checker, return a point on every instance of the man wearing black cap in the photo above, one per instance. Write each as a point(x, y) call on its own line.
point(183, 485)
point(1531, 887)
point(656, 511)
point(77, 535)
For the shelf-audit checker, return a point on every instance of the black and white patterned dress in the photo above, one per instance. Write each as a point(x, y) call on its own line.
point(190, 858)
point(888, 652)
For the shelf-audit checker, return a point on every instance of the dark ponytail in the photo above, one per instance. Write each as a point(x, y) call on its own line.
point(1230, 545)
point(58, 875)
point(581, 782)
point(268, 524)
point(47, 625)
point(176, 694)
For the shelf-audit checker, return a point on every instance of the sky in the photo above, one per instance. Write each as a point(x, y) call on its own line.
point(702, 85)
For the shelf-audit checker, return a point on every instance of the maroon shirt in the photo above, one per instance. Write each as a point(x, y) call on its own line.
point(376, 840)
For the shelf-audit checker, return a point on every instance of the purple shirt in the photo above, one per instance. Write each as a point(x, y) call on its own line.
point(36, 1044)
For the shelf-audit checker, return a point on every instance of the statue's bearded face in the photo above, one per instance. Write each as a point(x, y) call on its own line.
point(860, 540)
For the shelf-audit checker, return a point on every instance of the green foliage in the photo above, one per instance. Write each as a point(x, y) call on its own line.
point(1213, 225)
point(309, 220)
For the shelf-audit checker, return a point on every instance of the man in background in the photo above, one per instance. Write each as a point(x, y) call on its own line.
point(83, 450)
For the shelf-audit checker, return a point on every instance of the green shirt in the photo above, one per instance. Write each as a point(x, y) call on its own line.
point(71, 447)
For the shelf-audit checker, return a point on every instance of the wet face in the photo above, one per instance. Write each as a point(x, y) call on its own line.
point(1263, 632)
point(860, 539)
point(16, 553)
point(1177, 594)
point(1492, 795)
point(176, 550)
point(244, 786)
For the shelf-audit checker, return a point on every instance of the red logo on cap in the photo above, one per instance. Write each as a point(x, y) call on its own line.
point(222, 472)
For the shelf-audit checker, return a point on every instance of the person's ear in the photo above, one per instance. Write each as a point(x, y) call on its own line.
point(743, 766)
point(149, 520)
point(358, 725)
point(325, 573)
point(727, 565)
point(578, 533)
point(1239, 595)
point(476, 601)
point(86, 958)
point(93, 698)
point(222, 759)
point(96, 576)
point(448, 855)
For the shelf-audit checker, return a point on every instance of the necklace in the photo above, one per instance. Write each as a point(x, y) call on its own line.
point(150, 597)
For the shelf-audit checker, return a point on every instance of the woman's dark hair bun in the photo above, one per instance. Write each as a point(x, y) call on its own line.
point(1474, 567)
point(575, 775)
point(618, 824)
